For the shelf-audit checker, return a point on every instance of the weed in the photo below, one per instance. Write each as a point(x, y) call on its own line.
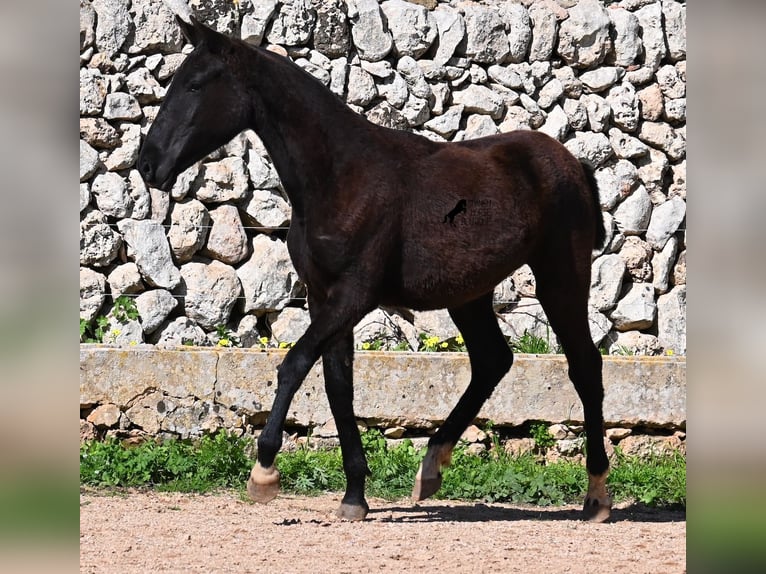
point(96, 331)
point(532, 344)
point(542, 436)
point(225, 338)
point(221, 461)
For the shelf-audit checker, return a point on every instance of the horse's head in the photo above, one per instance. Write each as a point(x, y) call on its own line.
point(205, 106)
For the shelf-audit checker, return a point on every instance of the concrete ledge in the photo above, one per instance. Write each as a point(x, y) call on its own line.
point(193, 390)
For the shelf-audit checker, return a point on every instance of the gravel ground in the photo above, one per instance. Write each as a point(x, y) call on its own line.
point(146, 531)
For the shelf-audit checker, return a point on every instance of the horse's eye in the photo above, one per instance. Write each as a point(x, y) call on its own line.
point(193, 87)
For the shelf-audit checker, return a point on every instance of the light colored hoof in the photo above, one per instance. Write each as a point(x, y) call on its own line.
point(429, 477)
point(352, 512)
point(595, 510)
point(263, 484)
point(598, 503)
point(425, 487)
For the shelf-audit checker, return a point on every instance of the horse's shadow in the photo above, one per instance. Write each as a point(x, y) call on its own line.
point(481, 512)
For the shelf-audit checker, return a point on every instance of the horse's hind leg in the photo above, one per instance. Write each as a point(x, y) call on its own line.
point(337, 362)
point(562, 289)
point(490, 359)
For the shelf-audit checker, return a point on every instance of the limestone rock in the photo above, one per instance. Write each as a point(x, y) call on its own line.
point(189, 224)
point(665, 138)
point(615, 182)
point(149, 247)
point(591, 148)
point(413, 28)
point(268, 278)
point(124, 279)
point(627, 38)
point(89, 161)
point(479, 100)
point(113, 24)
point(626, 146)
point(105, 416)
point(221, 181)
point(598, 112)
point(370, 36)
point(155, 27)
point(92, 293)
point(144, 87)
point(544, 30)
point(451, 29)
point(602, 78)
point(584, 36)
point(662, 265)
point(624, 103)
point(435, 324)
point(227, 240)
point(293, 23)
point(254, 23)
point(154, 307)
point(448, 123)
point(210, 290)
point(650, 20)
point(361, 87)
point(633, 214)
point(290, 324)
point(674, 16)
point(126, 154)
point(519, 31)
point(180, 331)
point(486, 40)
point(93, 90)
point(121, 106)
point(636, 308)
point(665, 221)
point(99, 243)
point(671, 320)
point(99, 133)
point(331, 32)
point(556, 124)
point(637, 255)
point(606, 276)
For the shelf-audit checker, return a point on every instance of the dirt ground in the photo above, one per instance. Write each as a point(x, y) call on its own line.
point(144, 531)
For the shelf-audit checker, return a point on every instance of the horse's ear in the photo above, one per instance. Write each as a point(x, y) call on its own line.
point(196, 32)
point(190, 30)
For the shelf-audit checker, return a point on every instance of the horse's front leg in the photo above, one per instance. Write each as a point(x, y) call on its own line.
point(263, 484)
point(337, 362)
point(332, 322)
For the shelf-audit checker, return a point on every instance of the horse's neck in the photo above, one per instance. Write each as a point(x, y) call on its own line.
point(301, 123)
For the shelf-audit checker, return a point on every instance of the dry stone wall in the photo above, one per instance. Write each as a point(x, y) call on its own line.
point(608, 79)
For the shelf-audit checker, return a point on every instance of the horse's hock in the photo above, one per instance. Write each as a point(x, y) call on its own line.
point(147, 392)
point(449, 73)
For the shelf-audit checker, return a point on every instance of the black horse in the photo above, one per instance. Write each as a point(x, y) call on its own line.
point(367, 229)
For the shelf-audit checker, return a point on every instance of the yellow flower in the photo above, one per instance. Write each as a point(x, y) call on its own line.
point(284, 345)
point(459, 340)
point(432, 341)
point(669, 352)
point(444, 344)
point(264, 341)
point(224, 343)
point(365, 346)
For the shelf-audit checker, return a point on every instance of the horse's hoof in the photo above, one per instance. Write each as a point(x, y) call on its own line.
point(352, 512)
point(263, 484)
point(425, 487)
point(595, 510)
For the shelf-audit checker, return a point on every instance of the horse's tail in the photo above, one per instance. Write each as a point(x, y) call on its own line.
point(598, 219)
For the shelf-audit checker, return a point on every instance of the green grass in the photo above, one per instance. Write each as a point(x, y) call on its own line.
point(493, 476)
